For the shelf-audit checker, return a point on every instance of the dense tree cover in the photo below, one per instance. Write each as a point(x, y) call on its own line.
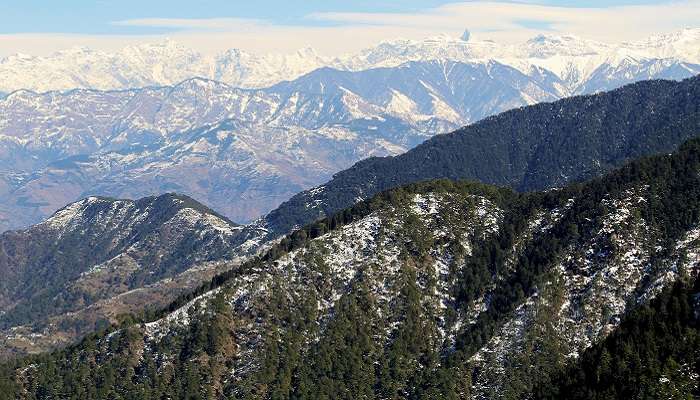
point(348, 357)
point(532, 148)
point(652, 355)
point(399, 196)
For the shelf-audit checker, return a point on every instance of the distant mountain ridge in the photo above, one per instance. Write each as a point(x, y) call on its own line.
point(533, 148)
point(571, 59)
point(216, 142)
point(258, 147)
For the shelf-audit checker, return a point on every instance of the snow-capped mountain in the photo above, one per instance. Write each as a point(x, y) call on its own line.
point(257, 147)
point(163, 63)
point(218, 143)
point(573, 60)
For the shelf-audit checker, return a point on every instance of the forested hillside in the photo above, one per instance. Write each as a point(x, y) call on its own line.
point(533, 148)
point(440, 289)
point(655, 354)
point(99, 257)
point(134, 246)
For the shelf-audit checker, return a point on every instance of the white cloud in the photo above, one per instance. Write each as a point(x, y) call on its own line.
point(503, 20)
point(210, 24)
point(349, 32)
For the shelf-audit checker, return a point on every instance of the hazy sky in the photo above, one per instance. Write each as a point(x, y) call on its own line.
point(331, 26)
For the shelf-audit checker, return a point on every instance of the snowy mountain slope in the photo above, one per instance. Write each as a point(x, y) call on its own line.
point(218, 143)
point(59, 275)
point(681, 44)
point(532, 148)
point(164, 63)
point(592, 287)
point(445, 91)
point(81, 121)
point(413, 293)
point(616, 73)
point(569, 58)
point(621, 123)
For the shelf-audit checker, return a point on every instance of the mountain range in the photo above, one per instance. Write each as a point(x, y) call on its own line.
point(245, 151)
point(538, 147)
point(437, 289)
point(573, 60)
point(219, 143)
point(444, 218)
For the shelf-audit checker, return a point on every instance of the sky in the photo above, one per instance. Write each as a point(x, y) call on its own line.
point(333, 27)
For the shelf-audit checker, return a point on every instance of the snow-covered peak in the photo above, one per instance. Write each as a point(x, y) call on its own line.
point(466, 35)
point(167, 47)
point(545, 46)
point(168, 62)
point(18, 57)
point(683, 45)
point(71, 213)
point(119, 216)
point(75, 51)
point(307, 52)
point(682, 36)
point(199, 85)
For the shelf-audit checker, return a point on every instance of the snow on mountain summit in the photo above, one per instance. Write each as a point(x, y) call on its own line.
point(683, 44)
point(545, 46)
point(168, 62)
point(466, 35)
